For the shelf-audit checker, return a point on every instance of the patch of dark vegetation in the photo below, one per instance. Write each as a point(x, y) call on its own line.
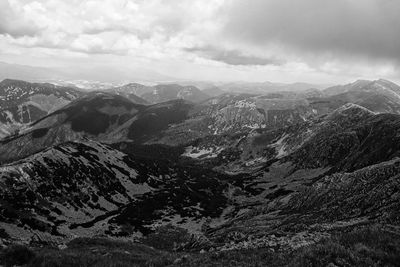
point(92, 122)
point(90, 252)
point(327, 149)
point(37, 133)
point(183, 188)
point(156, 118)
point(379, 142)
point(167, 237)
point(85, 113)
point(16, 255)
point(4, 234)
point(266, 137)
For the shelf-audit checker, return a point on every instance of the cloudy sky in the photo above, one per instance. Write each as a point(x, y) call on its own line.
point(318, 41)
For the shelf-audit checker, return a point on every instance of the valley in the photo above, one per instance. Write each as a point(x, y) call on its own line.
point(275, 171)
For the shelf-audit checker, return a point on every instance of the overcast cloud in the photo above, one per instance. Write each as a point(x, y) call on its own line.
point(367, 28)
point(278, 40)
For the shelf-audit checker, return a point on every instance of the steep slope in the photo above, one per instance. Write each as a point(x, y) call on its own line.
point(22, 103)
point(86, 189)
point(370, 193)
point(94, 116)
point(351, 137)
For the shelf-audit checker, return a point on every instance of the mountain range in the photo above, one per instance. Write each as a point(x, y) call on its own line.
point(161, 92)
point(280, 170)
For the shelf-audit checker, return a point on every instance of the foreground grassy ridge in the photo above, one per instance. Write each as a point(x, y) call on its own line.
point(360, 247)
point(83, 252)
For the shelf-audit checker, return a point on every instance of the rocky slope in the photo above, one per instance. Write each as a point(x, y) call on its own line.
point(90, 188)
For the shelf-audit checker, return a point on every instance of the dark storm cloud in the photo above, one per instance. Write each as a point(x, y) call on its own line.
point(369, 28)
point(12, 24)
point(232, 57)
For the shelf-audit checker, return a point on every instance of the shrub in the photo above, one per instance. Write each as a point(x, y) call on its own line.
point(17, 255)
point(167, 238)
point(359, 247)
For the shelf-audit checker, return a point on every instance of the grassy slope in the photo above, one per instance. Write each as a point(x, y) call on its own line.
point(357, 247)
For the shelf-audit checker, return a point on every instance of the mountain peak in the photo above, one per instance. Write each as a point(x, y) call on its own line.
point(350, 112)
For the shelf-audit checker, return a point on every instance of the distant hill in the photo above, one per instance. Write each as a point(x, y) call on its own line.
point(266, 87)
point(22, 103)
point(379, 96)
point(213, 91)
point(82, 72)
point(161, 92)
point(166, 92)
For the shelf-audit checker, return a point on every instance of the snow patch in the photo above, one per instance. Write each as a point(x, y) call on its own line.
point(203, 153)
point(280, 147)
